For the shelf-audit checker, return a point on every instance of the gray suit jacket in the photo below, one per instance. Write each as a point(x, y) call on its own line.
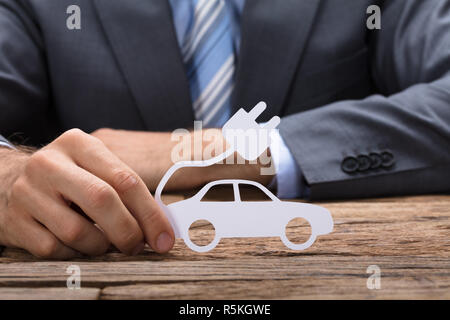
point(366, 112)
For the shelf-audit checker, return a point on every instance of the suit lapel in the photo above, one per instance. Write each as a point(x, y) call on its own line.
point(142, 36)
point(273, 36)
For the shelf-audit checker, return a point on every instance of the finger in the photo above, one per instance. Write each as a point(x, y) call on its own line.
point(103, 205)
point(131, 189)
point(95, 197)
point(68, 226)
point(137, 198)
point(41, 242)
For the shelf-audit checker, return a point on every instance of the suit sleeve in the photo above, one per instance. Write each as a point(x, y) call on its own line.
point(396, 142)
point(24, 84)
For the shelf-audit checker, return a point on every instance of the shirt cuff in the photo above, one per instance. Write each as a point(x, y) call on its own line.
point(288, 180)
point(5, 143)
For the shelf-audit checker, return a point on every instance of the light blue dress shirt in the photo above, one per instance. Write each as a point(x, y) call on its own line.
point(5, 143)
point(288, 180)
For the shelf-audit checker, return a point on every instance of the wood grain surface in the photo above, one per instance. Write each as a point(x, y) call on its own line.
point(407, 238)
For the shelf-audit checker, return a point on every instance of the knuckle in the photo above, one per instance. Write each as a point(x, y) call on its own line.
point(73, 233)
point(73, 134)
point(99, 195)
point(18, 189)
point(71, 137)
point(39, 161)
point(124, 180)
point(47, 248)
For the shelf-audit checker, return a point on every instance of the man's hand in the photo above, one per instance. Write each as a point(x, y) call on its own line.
point(77, 168)
point(149, 154)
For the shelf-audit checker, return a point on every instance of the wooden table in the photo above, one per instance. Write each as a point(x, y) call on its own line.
point(407, 238)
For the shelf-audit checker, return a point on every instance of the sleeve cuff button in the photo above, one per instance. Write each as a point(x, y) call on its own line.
point(387, 159)
point(350, 165)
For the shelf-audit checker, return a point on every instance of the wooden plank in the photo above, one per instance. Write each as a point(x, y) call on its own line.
point(312, 288)
point(49, 294)
point(347, 270)
point(408, 238)
point(384, 228)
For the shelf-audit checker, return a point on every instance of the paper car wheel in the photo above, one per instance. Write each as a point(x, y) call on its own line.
point(297, 246)
point(206, 248)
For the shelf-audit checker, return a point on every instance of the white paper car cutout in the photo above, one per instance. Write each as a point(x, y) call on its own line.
point(246, 218)
point(241, 218)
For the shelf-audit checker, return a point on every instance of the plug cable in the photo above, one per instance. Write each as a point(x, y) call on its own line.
point(185, 164)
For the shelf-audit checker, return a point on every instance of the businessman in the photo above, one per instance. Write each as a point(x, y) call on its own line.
point(364, 112)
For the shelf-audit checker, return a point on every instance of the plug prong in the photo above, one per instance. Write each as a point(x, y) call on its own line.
point(257, 110)
point(272, 123)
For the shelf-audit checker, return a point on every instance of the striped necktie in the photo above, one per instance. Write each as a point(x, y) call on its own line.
point(208, 55)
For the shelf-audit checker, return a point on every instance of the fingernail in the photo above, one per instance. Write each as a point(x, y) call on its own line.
point(164, 242)
point(138, 248)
